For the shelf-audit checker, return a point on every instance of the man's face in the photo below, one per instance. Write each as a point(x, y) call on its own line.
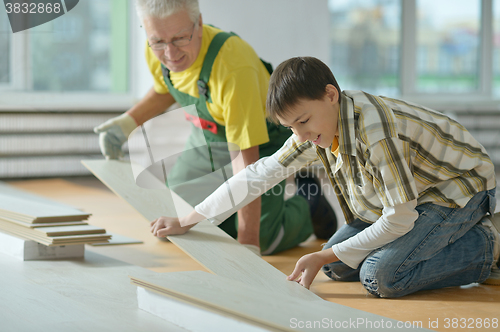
point(171, 28)
point(314, 120)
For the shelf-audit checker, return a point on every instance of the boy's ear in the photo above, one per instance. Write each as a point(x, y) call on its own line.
point(332, 93)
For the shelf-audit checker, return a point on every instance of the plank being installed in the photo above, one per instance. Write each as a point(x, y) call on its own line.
point(205, 243)
point(222, 304)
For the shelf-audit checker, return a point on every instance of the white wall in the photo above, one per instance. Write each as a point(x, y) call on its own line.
point(277, 29)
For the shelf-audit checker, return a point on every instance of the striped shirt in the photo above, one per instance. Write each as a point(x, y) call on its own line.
point(392, 151)
point(391, 154)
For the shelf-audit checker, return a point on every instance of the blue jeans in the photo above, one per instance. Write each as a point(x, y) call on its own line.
point(447, 247)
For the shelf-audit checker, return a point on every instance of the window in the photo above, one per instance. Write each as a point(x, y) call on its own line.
point(84, 52)
point(365, 37)
point(73, 53)
point(428, 51)
point(448, 46)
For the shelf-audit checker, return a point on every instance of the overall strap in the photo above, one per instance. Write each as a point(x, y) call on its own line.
point(206, 69)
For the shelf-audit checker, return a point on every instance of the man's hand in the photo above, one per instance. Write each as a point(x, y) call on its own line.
point(164, 226)
point(308, 266)
point(113, 133)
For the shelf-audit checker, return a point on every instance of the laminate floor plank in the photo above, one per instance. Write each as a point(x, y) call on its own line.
point(89, 294)
point(40, 225)
point(70, 230)
point(32, 209)
point(269, 310)
point(117, 239)
point(36, 234)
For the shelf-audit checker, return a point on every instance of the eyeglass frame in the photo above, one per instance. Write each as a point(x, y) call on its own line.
point(173, 42)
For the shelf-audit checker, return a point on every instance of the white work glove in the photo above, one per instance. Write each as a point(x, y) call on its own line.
point(113, 133)
point(254, 249)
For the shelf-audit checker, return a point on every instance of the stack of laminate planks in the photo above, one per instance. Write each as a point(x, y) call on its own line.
point(45, 221)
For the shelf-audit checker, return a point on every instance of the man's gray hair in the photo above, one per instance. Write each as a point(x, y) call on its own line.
point(164, 8)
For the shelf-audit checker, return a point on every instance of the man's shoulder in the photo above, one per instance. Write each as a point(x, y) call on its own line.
point(235, 53)
point(210, 31)
point(235, 43)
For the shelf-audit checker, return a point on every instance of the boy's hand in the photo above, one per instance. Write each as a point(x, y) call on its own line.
point(164, 226)
point(308, 266)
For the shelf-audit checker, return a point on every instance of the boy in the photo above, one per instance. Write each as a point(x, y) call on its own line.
point(414, 185)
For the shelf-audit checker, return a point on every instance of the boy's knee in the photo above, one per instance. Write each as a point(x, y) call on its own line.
point(378, 282)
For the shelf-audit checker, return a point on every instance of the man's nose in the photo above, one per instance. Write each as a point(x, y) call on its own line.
point(170, 51)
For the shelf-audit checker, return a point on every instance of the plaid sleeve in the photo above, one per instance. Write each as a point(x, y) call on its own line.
point(296, 154)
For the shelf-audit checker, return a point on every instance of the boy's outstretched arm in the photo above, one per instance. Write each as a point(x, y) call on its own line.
point(308, 266)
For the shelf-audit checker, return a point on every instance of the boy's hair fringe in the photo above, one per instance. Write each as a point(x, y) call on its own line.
point(295, 79)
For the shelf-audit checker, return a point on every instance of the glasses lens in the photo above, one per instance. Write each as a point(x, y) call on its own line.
point(158, 46)
point(181, 42)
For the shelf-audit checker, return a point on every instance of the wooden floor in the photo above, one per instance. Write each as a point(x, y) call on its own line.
point(436, 310)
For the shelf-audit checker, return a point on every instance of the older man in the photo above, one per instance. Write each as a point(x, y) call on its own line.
point(219, 73)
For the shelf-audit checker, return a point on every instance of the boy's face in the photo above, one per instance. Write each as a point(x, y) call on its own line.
point(315, 120)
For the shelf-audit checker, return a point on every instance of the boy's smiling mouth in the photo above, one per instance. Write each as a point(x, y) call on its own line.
point(317, 140)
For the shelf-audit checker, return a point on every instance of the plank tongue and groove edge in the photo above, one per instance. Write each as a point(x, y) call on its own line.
point(45, 224)
point(246, 303)
point(205, 243)
point(69, 230)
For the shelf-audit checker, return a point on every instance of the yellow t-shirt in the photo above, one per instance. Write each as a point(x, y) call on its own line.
point(238, 87)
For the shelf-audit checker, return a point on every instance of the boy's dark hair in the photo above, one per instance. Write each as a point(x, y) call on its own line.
point(295, 79)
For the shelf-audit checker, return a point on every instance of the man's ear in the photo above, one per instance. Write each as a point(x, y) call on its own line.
point(200, 21)
point(332, 93)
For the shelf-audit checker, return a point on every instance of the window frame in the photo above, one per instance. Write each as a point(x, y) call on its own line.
point(14, 97)
point(482, 99)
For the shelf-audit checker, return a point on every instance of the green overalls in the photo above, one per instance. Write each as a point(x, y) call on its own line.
point(284, 224)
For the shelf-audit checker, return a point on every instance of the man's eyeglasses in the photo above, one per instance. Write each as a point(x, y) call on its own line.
point(177, 42)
